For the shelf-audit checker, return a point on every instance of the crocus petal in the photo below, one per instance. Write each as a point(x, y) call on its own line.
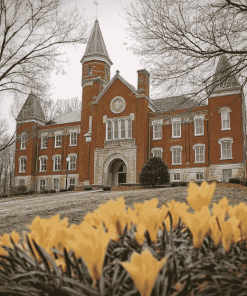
point(221, 208)
point(144, 270)
point(200, 196)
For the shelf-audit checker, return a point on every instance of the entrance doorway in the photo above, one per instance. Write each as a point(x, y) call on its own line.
point(117, 172)
point(227, 174)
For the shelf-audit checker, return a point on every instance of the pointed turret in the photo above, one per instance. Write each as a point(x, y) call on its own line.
point(96, 49)
point(224, 78)
point(31, 110)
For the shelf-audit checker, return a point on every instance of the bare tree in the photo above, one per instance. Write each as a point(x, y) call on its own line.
point(32, 33)
point(181, 41)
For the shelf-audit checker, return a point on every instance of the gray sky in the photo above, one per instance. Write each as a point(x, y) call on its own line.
point(112, 23)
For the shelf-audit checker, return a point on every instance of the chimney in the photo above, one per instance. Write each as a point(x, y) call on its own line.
point(143, 82)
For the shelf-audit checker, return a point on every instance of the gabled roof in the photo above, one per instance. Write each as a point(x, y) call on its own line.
point(176, 103)
point(96, 46)
point(115, 77)
point(31, 110)
point(223, 78)
point(68, 117)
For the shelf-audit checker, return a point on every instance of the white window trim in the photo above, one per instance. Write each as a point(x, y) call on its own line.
point(176, 120)
point(53, 159)
point(171, 149)
point(220, 142)
point(157, 122)
point(19, 159)
point(40, 183)
point(157, 149)
point(202, 176)
point(229, 110)
point(53, 185)
point(119, 128)
point(40, 158)
point(179, 175)
point(58, 134)
point(204, 147)
point(73, 155)
point(199, 117)
point(72, 132)
point(42, 136)
point(25, 142)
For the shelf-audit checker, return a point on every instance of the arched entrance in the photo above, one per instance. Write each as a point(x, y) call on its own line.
point(117, 172)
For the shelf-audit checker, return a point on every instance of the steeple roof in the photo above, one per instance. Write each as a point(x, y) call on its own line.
point(31, 110)
point(224, 77)
point(96, 48)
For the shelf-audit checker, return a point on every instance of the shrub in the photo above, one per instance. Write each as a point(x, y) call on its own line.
point(107, 188)
point(183, 183)
point(71, 188)
point(53, 191)
point(26, 193)
point(154, 172)
point(46, 191)
point(5, 195)
point(175, 184)
point(31, 191)
point(244, 182)
point(88, 188)
point(20, 189)
point(63, 190)
point(234, 181)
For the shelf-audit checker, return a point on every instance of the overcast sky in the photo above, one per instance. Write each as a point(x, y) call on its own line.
point(110, 14)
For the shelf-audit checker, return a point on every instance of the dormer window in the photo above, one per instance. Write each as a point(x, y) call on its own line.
point(90, 71)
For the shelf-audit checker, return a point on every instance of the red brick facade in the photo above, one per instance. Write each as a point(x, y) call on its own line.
point(121, 127)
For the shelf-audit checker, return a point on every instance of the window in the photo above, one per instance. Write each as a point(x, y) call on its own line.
point(225, 120)
point(44, 142)
point(58, 141)
point(55, 183)
point(157, 152)
point(226, 174)
point(73, 139)
point(176, 129)
point(199, 176)
point(226, 148)
point(157, 131)
point(176, 177)
point(42, 184)
point(90, 71)
point(43, 164)
point(106, 73)
point(115, 134)
point(118, 129)
point(122, 128)
point(22, 182)
point(129, 122)
point(71, 181)
point(56, 163)
point(176, 155)
point(22, 164)
point(23, 142)
point(199, 152)
point(72, 162)
point(109, 130)
point(198, 127)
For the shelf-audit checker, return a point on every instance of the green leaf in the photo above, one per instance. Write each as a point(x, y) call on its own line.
point(85, 289)
point(67, 260)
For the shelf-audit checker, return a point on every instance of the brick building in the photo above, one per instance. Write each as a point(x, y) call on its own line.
point(120, 127)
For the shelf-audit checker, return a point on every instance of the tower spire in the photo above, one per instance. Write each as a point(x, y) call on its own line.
point(96, 49)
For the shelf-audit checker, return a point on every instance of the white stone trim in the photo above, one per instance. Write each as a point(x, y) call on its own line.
point(157, 121)
point(176, 119)
point(199, 144)
point(157, 149)
point(43, 156)
point(229, 139)
point(225, 93)
point(132, 116)
point(104, 118)
point(199, 116)
point(58, 133)
point(112, 104)
point(224, 108)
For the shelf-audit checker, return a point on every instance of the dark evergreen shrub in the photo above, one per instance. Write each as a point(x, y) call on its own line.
point(154, 172)
point(63, 190)
point(46, 191)
point(183, 183)
point(234, 181)
point(107, 188)
point(31, 191)
point(5, 195)
point(88, 188)
point(71, 188)
point(26, 193)
point(53, 191)
point(175, 184)
point(20, 189)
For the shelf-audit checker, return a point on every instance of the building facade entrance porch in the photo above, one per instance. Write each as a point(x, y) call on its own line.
point(117, 172)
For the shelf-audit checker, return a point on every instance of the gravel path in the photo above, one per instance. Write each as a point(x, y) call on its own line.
point(17, 212)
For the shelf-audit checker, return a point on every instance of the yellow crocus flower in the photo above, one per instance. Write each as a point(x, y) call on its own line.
point(92, 247)
point(5, 241)
point(148, 205)
point(144, 270)
point(198, 224)
point(200, 196)
point(230, 232)
point(240, 212)
point(176, 209)
point(214, 231)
